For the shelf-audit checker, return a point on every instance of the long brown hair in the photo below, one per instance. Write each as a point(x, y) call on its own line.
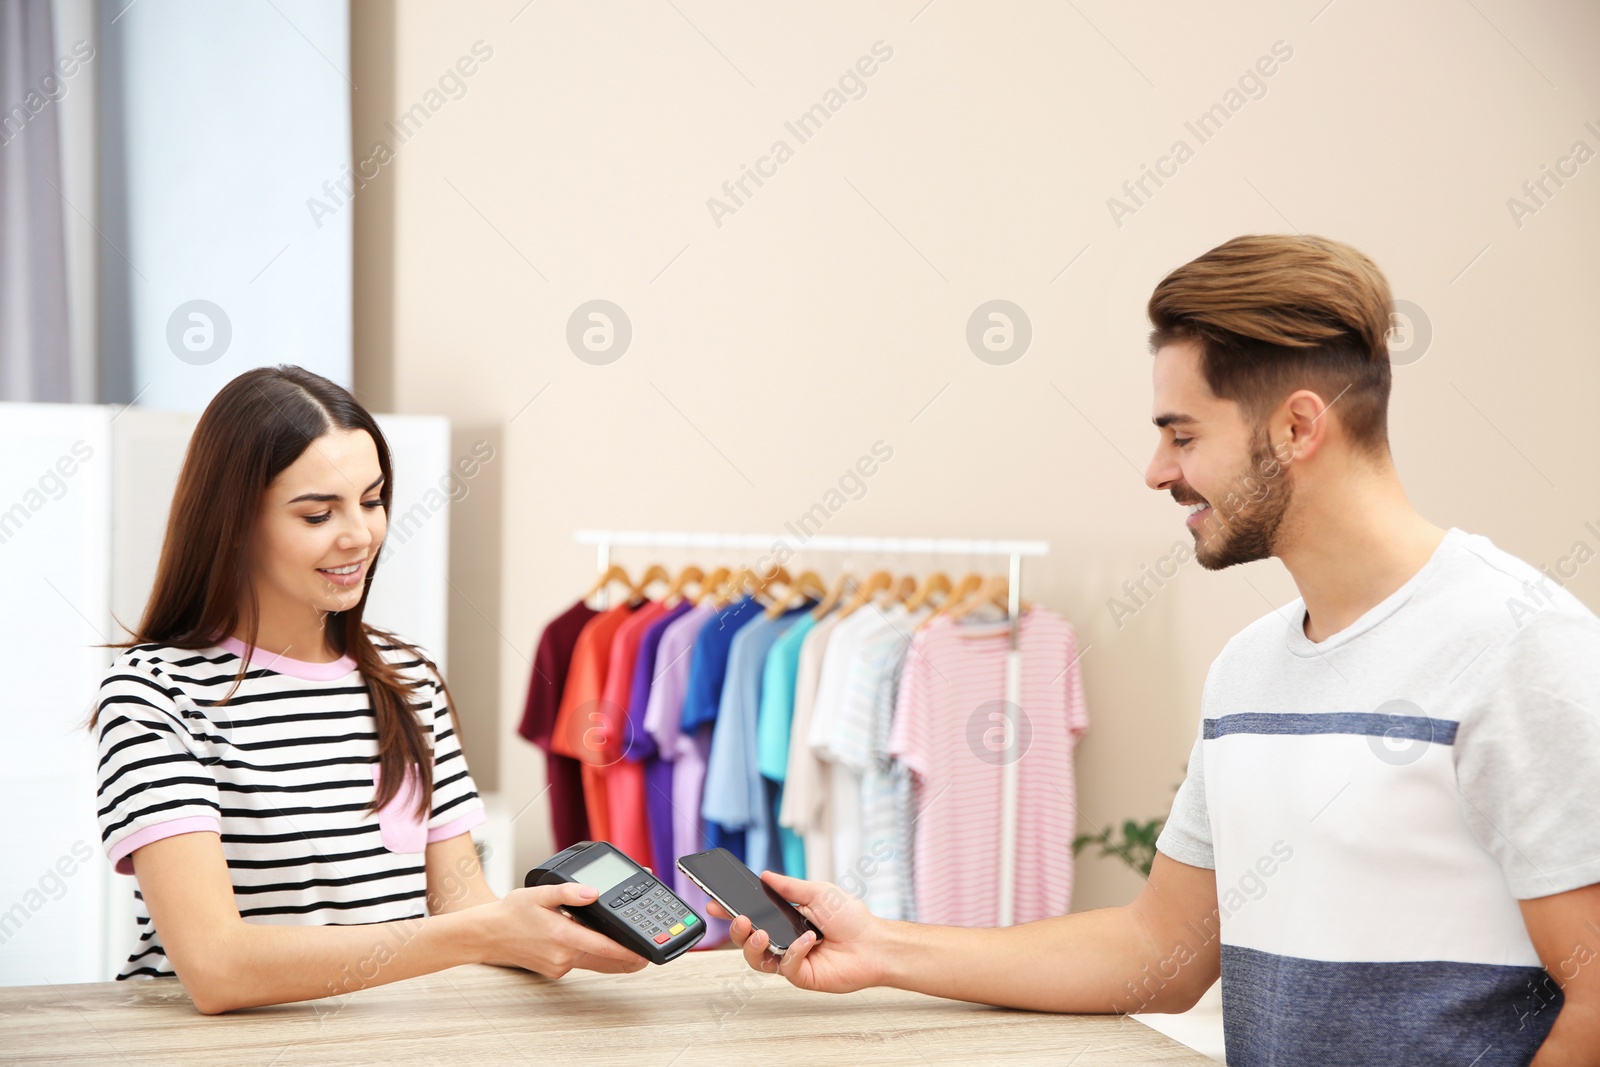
point(1273, 313)
point(254, 428)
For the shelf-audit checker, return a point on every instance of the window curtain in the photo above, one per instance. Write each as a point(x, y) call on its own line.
point(35, 349)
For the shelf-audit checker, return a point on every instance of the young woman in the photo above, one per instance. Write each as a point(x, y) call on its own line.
point(286, 782)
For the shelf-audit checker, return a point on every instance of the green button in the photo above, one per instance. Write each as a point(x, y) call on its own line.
point(688, 920)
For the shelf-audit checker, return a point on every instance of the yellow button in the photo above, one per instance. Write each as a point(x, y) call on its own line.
point(677, 928)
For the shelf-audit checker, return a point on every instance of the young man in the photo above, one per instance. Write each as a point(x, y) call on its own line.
point(1387, 843)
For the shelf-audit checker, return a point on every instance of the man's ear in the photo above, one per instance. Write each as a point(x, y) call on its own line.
point(1303, 426)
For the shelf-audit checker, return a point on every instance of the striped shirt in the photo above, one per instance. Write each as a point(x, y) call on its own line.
point(859, 740)
point(954, 734)
point(1376, 804)
point(284, 772)
point(841, 782)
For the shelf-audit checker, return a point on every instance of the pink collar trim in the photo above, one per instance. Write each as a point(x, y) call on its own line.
point(294, 668)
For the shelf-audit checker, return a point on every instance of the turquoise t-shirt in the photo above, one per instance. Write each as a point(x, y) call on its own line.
point(772, 730)
point(777, 699)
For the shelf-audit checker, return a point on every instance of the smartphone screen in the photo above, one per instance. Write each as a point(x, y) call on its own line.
point(734, 886)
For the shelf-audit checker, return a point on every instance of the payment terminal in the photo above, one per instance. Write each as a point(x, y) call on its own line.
point(634, 909)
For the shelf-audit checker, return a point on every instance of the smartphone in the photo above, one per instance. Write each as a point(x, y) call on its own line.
point(734, 886)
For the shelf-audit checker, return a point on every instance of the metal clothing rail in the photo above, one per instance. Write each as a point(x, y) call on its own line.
point(931, 545)
point(605, 540)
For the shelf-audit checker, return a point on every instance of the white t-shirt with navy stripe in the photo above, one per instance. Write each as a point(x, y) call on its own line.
point(285, 772)
point(1376, 804)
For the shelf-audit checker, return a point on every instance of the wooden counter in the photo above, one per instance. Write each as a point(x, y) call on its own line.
point(704, 1008)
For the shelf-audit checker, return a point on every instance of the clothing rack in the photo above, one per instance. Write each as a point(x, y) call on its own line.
point(605, 540)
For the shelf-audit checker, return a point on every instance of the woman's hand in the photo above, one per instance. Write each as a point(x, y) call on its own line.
point(529, 932)
point(848, 958)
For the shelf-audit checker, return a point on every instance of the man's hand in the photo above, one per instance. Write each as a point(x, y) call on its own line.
point(849, 956)
point(1092, 961)
point(1561, 927)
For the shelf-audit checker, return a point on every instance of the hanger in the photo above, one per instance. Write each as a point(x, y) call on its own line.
point(937, 582)
point(831, 597)
point(710, 584)
point(674, 592)
point(737, 580)
point(904, 590)
point(995, 591)
point(655, 573)
point(876, 583)
point(995, 586)
point(744, 579)
point(776, 588)
point(965, 588)
point(809, 584)
point(614, 573)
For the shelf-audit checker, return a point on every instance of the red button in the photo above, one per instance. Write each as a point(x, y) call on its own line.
point(661, 939)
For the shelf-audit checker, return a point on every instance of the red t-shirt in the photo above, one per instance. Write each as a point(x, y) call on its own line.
point(569, 821)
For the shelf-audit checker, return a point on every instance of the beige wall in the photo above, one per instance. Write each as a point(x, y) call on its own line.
point(829, 311)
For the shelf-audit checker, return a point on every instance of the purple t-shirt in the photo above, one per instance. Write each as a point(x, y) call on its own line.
point(638, 744)
point(640, 747)
point(663, 717)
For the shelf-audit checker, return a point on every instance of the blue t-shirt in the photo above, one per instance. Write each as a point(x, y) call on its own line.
point(708, 665)
point(735, 796)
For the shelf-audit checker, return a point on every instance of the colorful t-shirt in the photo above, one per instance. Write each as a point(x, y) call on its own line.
point(626, 824)
point(284, 771)
point(804, 806)
point(708, 666)
point(569, 821)
point(735, 794)
point(581, 723)
point(859, 742)
point(663, 719)
point(773, 726)
point(776, 716)
point(642, 782)
point(953, 731)
point(843, 781)
point(1375, 804)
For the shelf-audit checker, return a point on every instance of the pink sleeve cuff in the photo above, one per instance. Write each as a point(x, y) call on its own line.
point(121, 854)
point(476, 817)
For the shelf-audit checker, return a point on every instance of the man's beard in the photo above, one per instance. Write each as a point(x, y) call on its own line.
point(1251, 533)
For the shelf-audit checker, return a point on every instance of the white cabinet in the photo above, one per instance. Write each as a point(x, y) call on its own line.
point(55, 587)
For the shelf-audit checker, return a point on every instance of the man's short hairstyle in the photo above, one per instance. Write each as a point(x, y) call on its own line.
point(1273, 313)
